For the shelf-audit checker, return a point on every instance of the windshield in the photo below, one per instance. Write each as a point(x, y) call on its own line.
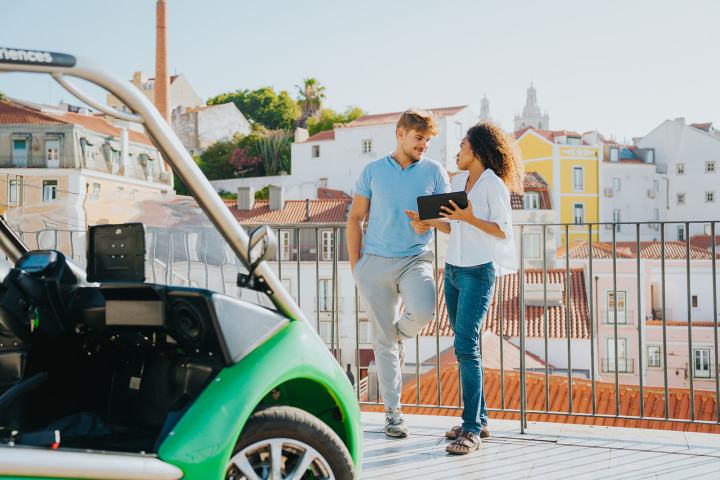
point(80, 169)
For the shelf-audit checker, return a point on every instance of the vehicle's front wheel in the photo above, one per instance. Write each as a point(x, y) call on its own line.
point(288, 443)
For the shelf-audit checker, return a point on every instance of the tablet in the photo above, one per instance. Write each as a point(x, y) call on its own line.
point(429, 205)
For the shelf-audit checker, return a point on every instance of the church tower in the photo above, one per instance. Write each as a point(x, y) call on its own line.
point(531, 114)
point(485, 110)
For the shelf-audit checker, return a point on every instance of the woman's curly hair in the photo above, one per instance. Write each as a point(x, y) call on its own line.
point(497, 152)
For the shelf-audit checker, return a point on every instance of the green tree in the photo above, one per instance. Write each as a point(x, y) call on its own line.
point(265, 106)
point(2, 95)
point(310, 97)
point(215, 161)
point(328, 118)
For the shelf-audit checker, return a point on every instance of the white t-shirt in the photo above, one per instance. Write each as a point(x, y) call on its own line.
point(470, 246)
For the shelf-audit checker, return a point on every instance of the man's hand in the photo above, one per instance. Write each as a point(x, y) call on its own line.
point(418, 225)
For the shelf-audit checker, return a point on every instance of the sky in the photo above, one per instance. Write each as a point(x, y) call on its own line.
point(620, 67)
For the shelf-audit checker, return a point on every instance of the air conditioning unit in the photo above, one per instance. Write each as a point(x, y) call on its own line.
point(609, 192)
point(651, 193)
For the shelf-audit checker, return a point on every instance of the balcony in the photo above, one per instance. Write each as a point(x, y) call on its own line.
point(558, 405)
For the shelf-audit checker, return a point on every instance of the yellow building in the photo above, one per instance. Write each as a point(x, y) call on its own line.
point(570, 167)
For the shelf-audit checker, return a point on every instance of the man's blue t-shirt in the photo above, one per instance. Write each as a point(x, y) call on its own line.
point(391, 191)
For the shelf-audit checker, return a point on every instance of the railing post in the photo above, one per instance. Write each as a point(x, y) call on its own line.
point(521, 279)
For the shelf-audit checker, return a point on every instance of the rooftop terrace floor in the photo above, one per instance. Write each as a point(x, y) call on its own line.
point(546, 450)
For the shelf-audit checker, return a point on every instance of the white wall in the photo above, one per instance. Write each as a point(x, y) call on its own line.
point(557, 351)
point(634, 199)
point(292, 189)
point(674, 142)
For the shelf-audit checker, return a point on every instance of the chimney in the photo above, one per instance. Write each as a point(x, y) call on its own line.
point(307, 209)
point(245, 198)
point(138, 79)
point(162, 80)
point(301, 134)
point(277, 200)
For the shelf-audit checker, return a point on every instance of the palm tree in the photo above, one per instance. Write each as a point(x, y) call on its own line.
point(310, 97)
point(274, 151)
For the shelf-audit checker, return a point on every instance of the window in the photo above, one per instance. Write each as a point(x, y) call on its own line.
point(150, 169)
point(681, 199)
point(96, 191)
point(367, 146)
point(616, 184)
point(285, 244)
point(653, 356)
point(573, 141)
point(680, 169)
point(621, 318)
point(622, 365)
point(120, 191)
point(13, 191)
point(709, 197)
point(327, 245)
point(52, 153)
point(531, 245)
point(19, 153)
point(50, 190)
point(578, 183)
point(710, 166)
point(614, 154)
point(681, 233)
point(315, 151)
point(579, 213)
point(322, 182)
point(656, 185)
point(702, 362)
point(694, 301)
point(616, 219)
point(325, 295)
point(531, 201)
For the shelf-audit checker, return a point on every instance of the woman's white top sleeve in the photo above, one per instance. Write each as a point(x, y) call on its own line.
point(468, 245)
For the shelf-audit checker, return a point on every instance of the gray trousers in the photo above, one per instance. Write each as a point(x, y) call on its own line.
point(382, 283)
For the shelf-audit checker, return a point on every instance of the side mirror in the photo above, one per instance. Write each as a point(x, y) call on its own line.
point(263, 245)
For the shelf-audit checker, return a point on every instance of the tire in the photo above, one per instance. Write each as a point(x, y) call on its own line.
point(300, 437)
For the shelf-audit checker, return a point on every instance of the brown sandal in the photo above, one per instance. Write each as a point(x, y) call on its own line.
point(466, 442)
point(455, 432)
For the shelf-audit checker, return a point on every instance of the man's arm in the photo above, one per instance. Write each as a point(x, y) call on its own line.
point(356, 217)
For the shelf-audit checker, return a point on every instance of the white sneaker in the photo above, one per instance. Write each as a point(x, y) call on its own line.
point(395, 424)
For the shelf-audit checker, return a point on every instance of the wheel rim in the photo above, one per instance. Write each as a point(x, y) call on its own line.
point(278, 459)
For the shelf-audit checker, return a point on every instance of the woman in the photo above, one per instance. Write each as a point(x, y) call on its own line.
point(480, 247)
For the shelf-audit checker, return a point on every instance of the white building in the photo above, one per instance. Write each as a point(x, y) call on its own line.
point(200, 127)
point(181, 92)
point(690, 157)
point(630, 190)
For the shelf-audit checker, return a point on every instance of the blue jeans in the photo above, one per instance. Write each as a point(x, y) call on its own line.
point(468, 292)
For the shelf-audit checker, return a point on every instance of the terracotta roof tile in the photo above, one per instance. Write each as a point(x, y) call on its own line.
point(321, 211)
point(332, 194)
point(15, 114)
point(674, 250)
point(654, 400)
point(551, 135)
point(393, 117)
point(704, 242)
point(675, 323)
point(534, 315)
point(702, 126)
point(320, 136)
point(100, 125)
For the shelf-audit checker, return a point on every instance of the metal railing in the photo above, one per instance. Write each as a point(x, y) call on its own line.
point(565, 340)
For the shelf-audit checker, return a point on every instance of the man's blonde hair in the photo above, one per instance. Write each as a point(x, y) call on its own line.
point(421, 121)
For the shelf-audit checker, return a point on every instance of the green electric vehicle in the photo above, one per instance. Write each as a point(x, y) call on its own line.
point(108, 374)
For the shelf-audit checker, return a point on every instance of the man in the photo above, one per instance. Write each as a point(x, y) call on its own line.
point(395, 262)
